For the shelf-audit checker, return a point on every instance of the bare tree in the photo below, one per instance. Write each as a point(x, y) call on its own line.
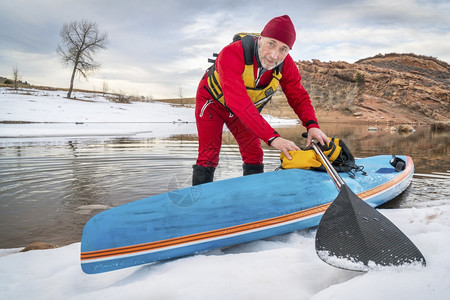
point(81, 40)
point(180, 94)
point(105, 87)
point(16, 77)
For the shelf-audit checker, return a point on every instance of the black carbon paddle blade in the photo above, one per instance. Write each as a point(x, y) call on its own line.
point(353, 235)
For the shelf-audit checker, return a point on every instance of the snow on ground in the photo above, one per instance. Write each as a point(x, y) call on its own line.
point(92, 115)
point(52, 106)
point(283, 267)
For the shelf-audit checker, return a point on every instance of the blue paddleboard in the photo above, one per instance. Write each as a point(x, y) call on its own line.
point(228, 212)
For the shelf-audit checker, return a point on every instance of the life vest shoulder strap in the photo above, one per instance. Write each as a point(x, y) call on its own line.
point(248, 46)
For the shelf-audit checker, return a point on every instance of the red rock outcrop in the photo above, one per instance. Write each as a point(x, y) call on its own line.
point(392, 87)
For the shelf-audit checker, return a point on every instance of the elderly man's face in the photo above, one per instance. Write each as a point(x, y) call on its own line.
point(271, 52)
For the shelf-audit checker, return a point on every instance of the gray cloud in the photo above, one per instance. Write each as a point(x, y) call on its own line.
point(156, 47)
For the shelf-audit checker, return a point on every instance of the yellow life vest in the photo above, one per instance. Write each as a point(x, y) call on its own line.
point(260, 96)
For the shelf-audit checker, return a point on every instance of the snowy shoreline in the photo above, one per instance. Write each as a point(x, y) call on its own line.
point(47, 114)
point(282, 267)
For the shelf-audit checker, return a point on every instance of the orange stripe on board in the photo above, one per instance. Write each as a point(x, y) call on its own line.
point(238, 228)
point(203, 235)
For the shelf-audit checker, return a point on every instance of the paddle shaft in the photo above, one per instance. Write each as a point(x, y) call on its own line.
point(338, 181)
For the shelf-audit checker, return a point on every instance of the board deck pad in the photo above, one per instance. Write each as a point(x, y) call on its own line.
point(224, 213)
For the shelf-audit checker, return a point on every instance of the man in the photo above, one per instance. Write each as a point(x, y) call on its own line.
point(233, 91)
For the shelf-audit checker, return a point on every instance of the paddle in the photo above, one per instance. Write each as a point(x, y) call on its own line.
point(353, 235)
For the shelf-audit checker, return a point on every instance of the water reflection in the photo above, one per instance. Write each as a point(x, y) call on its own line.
point(428, 149)
point(50, 188)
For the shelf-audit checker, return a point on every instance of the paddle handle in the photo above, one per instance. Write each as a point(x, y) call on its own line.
point(337, 179)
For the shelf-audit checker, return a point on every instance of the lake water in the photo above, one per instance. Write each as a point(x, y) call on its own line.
point(50, 187)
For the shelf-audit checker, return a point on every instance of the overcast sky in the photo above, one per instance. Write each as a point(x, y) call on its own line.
point(157, 47)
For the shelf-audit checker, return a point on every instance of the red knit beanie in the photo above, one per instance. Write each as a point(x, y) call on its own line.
point(282, 29)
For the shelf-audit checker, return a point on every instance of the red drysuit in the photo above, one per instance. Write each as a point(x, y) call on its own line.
point(244, 121)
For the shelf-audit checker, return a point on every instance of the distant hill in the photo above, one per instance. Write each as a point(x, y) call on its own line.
point(399, 88)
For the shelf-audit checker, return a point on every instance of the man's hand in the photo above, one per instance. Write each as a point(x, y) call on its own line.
point(284, 146)
point(317, 134)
